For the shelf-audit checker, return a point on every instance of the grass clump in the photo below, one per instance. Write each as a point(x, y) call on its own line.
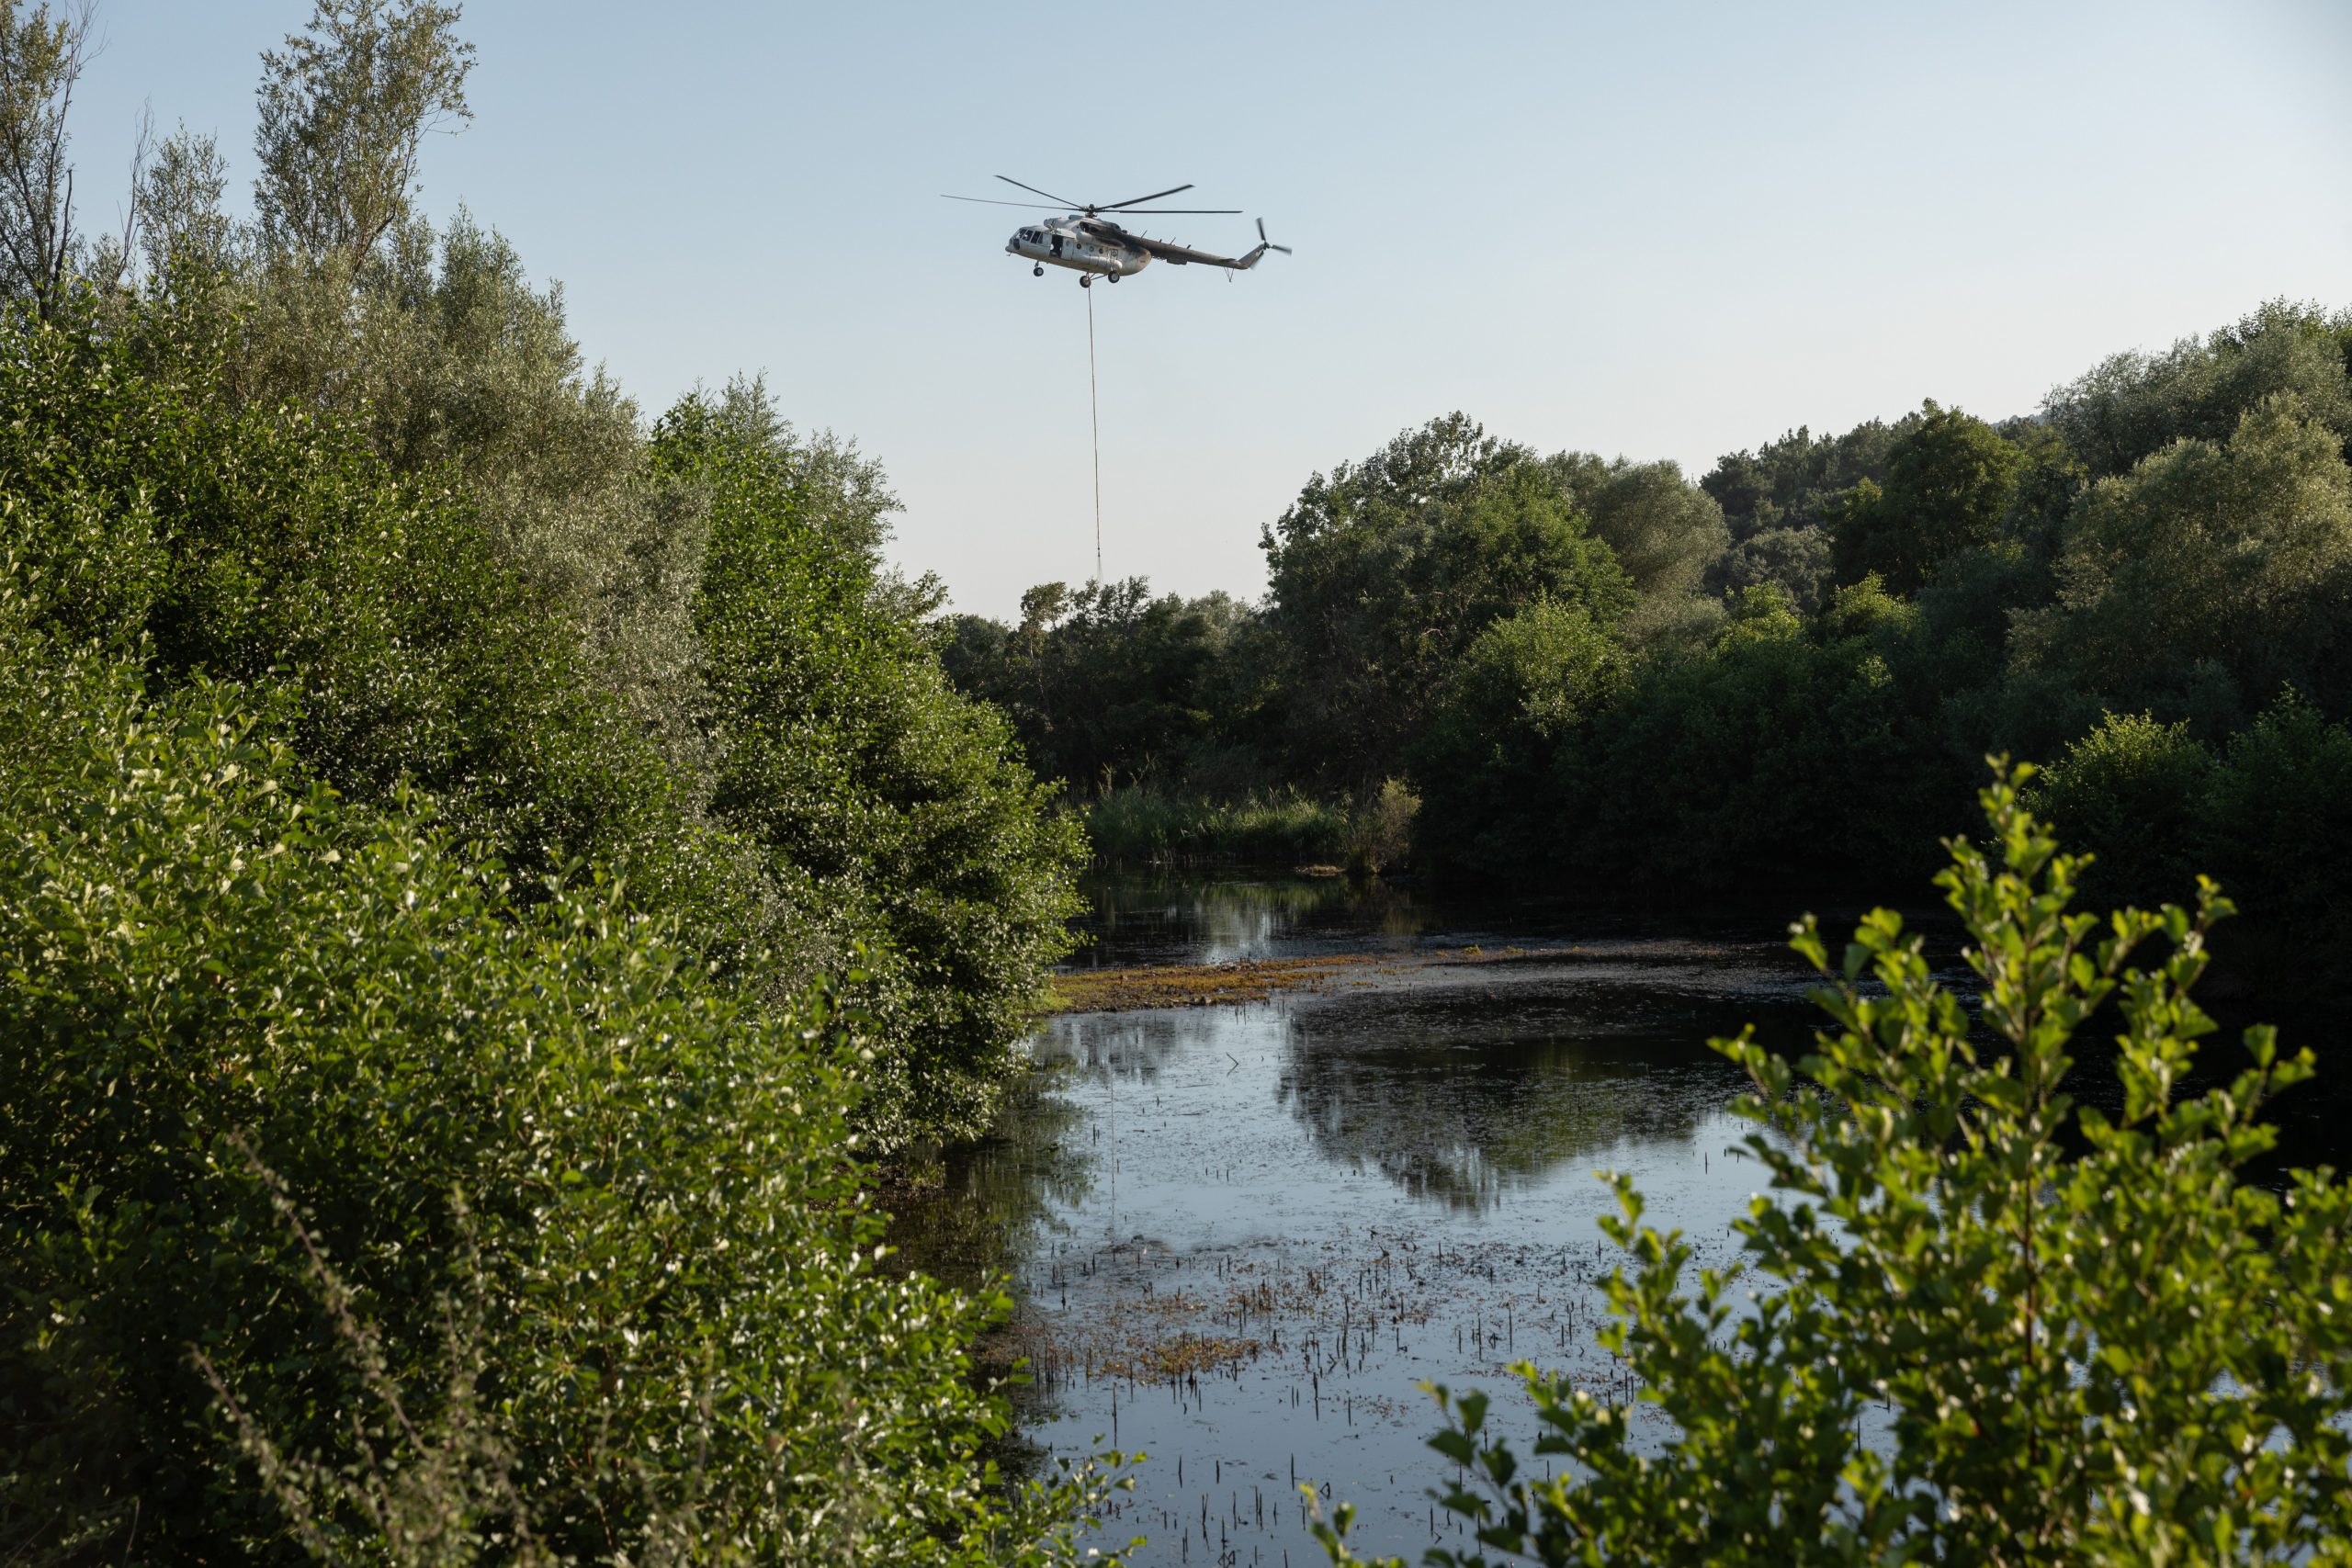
point(1143, 824)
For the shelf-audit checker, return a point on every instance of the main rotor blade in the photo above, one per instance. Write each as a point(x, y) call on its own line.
point(987, 201)
point(1049, 195)
point(1164, 211)
point(1154, 195)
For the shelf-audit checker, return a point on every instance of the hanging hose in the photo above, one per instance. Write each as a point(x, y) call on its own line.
point(1094, 413)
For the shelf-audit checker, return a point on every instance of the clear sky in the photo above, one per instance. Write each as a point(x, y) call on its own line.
point(1654, 229)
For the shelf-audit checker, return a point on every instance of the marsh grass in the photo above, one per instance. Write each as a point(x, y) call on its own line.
point(1144, 825)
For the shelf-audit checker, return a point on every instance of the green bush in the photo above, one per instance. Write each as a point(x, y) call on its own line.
point(2082, 1336)
point(2131, 790)
point(887, 807)
point(1791, 748)
point(2276, 822)
point(595, 1269)
point(1525, 682)
point(146, 508)
point(840, 792)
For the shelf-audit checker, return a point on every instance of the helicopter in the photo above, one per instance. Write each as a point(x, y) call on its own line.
point(1093, 245)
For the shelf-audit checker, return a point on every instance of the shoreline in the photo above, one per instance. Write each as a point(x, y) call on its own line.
point(1148, 986)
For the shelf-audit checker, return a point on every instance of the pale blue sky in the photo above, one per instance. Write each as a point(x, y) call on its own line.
point(1662, 230)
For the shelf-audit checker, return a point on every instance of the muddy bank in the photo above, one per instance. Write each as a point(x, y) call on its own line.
point(1144, 987)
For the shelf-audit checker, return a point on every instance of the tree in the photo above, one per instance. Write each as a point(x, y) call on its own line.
point(888, 812)
point(2213, 560)
point(1786, 483)
point(1383, 573)
point(1523, 684)
point(181, 222)
point(1665, 531)
point(1948, 484)
point(2132, 406)
point(1106, 684)
point(2276, 818)
point(1794, 560)
point(345, 109)
point(2093, 1340)
point(41, 60)
point(1708, 770)
point(336, 1177)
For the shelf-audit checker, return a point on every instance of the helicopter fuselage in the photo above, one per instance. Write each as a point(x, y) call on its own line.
point(1064, 244)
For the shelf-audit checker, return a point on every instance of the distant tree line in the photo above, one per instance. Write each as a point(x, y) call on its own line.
point(1596, 674)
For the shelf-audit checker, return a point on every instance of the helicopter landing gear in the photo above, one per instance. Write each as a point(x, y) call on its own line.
point(1114, 277)
point(1086, 280)
point(1037, 271)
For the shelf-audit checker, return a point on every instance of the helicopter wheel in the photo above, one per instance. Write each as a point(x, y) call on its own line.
point(1037, 271)
point(1114, 277)
point(1086, 280)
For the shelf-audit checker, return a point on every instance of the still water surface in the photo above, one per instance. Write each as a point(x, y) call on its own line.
point(1243, 1234)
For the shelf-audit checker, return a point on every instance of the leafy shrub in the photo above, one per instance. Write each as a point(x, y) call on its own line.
point(2131, 790)
point(147, 509)
point(1525, 682)
point(1789, 748)
point(1380, 830)
point(2277, 821)
point(838, 792)
point(887, 807)
point(545, 1121)
point(2082, 1336)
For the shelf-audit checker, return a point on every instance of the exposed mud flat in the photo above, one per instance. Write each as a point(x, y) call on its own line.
point(1147, 987)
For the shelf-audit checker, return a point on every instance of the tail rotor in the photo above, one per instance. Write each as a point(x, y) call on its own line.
point(1266, 244)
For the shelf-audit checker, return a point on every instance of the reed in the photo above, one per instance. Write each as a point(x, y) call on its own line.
point(1144, 825)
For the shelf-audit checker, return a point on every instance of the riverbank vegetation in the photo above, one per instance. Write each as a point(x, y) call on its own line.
point(1974, 1320)
point(483, 870)
point(1596, 675)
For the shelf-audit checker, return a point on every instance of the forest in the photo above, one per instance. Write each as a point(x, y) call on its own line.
point(496, 878)
point(1586, 676)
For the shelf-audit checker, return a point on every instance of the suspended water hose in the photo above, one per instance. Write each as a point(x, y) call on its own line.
point(1094, 415)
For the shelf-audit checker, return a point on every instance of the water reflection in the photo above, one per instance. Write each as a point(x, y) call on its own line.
point(1099, 1048)
point(1460, 1119)
point(970, 1215)
point(1170, 920)
point(1241, 1236)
